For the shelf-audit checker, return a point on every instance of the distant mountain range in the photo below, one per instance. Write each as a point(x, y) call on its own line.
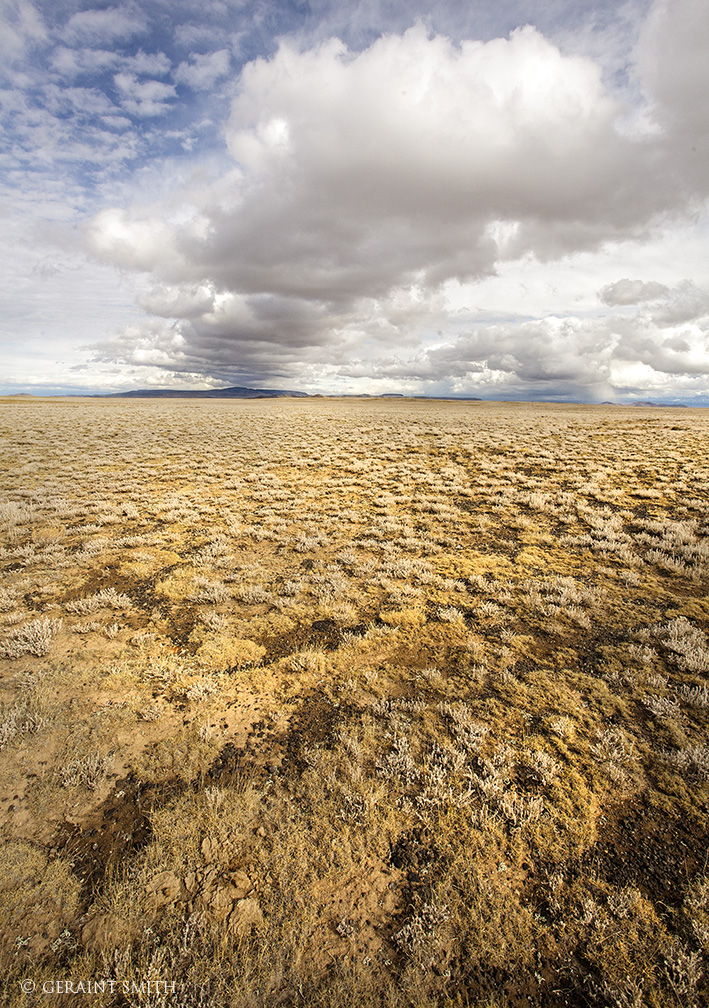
point(239, 392)
point(646, 402)
point(235, 392)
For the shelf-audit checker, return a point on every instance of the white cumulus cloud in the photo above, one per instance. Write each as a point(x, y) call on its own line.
point(203, 70)
point(143, 98)
point(358, 173)
point(629, 292)
point(109, 25)
point(364, 184)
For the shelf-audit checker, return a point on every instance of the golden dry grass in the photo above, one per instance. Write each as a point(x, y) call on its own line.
point(348, 702)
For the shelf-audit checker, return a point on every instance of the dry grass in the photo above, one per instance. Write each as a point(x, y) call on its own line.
point(355, 703)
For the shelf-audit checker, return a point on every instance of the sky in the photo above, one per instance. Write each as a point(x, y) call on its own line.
point(506, 200)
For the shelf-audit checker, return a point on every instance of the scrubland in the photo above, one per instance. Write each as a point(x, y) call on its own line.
point(352, 703)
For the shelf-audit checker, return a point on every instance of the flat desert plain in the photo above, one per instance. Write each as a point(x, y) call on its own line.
point(348, 702)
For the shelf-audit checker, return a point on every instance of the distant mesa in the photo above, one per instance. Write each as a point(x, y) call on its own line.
point(235, 392)
point(658, 405)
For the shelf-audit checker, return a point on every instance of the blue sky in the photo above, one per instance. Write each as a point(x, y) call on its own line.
point(506, 200)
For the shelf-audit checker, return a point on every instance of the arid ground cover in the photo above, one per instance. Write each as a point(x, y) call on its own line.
point(349, 703)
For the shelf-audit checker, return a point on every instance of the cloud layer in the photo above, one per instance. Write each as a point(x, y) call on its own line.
point(316, 198)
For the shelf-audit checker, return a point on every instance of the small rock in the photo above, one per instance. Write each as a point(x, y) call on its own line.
point(245, 916)
point(209, 876)
point(166, 888)
point(221, 902)
point(241, 882)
